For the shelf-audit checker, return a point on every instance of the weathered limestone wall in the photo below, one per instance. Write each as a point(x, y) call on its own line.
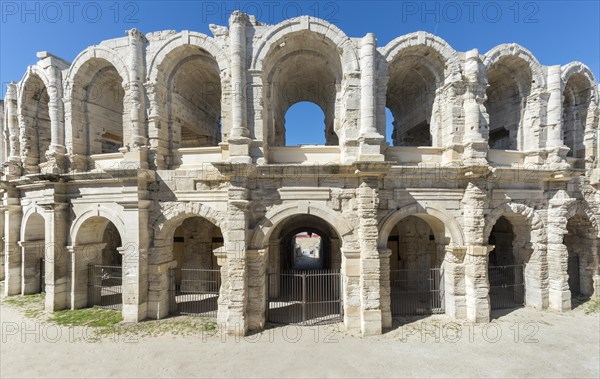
point(144, 134)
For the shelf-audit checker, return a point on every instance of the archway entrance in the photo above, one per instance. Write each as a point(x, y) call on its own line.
point(32, 250)
point(582, 245)
point(98, 248)
point(416, 277)
point(304, 282)
point(506, 265)
point(195, 281)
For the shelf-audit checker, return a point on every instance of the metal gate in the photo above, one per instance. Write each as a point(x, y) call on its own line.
point(507, 286)
point(105, 286)
point(305, 297)
point(194, 291)
point(42, 275)
point(417, 292)
point(573, 271)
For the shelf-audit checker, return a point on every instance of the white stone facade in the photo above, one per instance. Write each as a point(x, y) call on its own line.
point(146, 131)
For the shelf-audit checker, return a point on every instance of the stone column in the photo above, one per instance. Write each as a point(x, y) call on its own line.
point(2, 216)
point(81, 256)
point(475, 138)
point(223, 300)
point(134, 90)
point(385, 287)
point(453, 268)
point(351, 286)
point(257, 282)
point(158, 136)
point(12, 253)
point(135, 261)
point(474, 203)
point(31, 254)
point(477, 284)
point(160, 261)
point(13, 161)
point(557, 151)
point(56, 257)
point(239, 141)
point(559, 296)
point(56, 155)
point(369, 139)
point(370, 276)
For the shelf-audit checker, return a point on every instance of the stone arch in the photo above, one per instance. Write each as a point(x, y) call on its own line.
point(108, 214)
point(416, 65)
point(168, 218)
point(535, 221)
point(199, 40)
point(579, 119)
point(444, 226)
point(278, 215)
point(394, 47)
point(33, 109)
point(516, 50)
point(95, 88)
point(31, 211)
point(349, 58)
point(581, 208)
point(307, 59)
point(95, 52)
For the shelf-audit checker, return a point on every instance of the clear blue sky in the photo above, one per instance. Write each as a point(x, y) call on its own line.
point(556, 32)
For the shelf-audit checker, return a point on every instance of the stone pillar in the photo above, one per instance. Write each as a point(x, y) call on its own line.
point(134, 91)
point(370, 276)
point(12, 253)
point(223, 300)
point(81, 256)
point(453, 269)
point(475, 138)
point(56, 160)
point(56, 257)
point(557, 151)
point(369, 139)
point(351, 286)
point(257, 281)
point(559, 296)
point(31, 254)
point(160, 261)
point(274, 254)
point(13, 161)
point(135, 262)
point(158, 135)
point(239, 141)
point(477, 284)
point(2, 257)
point(385, 287)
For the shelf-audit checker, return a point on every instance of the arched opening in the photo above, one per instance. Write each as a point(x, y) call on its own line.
point(576, 101)
point(194, 98)
point(416, 278)
point(35, 112)
point(302, 67)
point(304, 272)
point(33, 246)
point(507, 262)
point(414, 77)
point(98, 263)
point(304, 124)
point(582, 264)
point(99, 114)
point(509, 85)
point(195, 279)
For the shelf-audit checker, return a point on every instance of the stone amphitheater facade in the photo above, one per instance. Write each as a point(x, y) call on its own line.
point(171, 138)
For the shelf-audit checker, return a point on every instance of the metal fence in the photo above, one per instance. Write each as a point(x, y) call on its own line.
point(507, 286)
point(416, 292)
point(42, 275)
point(305, 297)
point(105, 286)
point(194, 291)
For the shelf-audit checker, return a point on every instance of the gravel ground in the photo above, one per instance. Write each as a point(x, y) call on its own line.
point(519, 343)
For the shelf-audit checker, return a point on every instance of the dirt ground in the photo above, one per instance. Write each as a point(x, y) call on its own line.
point(520, 343)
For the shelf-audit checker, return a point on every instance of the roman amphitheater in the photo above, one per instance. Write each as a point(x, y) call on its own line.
point(152, 175)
